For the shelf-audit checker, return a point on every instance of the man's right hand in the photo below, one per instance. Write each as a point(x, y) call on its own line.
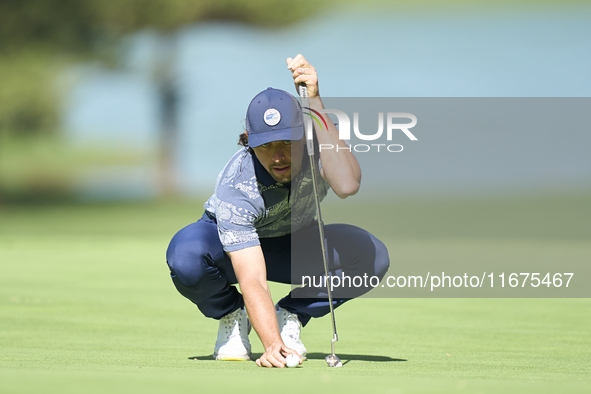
point(249, 266)
point(275, 354)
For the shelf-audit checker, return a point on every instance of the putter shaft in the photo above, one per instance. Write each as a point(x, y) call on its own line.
point(309, 134)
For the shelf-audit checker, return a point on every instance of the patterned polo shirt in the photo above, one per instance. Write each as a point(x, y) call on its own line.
point(249, 204)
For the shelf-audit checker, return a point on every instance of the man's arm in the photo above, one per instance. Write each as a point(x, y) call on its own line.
point(250, 269)
point(339, 166)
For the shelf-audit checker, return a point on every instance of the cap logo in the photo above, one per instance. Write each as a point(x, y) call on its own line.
point(272, 117)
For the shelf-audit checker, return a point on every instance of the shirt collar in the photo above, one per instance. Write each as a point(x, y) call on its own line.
point(261, 172)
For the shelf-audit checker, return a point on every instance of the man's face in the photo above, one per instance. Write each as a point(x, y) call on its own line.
point(282, 159)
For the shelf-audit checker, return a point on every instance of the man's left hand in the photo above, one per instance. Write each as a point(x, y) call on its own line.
point(303, 72)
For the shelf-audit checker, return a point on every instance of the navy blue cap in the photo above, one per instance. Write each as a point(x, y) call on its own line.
point(274, 115)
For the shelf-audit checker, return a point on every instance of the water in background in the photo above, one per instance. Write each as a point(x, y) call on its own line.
point(221, 66)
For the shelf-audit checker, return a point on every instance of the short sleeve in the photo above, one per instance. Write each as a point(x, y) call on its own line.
point(238, 205)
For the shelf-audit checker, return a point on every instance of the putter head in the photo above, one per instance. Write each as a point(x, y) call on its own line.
point(333, 361)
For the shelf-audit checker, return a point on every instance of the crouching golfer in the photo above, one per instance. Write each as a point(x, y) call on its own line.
point(259, 225)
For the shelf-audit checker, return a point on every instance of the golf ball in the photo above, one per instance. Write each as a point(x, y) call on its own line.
point(292, 361)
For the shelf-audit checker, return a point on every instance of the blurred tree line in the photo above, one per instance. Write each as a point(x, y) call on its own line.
point(39, 37)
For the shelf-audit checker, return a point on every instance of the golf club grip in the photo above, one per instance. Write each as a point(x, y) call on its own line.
point(308, 127)
point(303, 90)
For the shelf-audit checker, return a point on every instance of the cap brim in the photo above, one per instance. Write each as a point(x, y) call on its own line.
point(290, 134)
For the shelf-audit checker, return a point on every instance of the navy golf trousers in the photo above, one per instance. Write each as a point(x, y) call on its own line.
point(203, 273)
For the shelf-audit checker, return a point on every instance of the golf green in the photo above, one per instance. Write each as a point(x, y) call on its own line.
point(86, 305)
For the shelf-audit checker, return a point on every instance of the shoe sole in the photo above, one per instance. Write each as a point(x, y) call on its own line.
point(304, 358)
point(232, 358)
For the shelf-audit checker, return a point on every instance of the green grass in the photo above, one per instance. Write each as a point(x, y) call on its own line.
point(41, 168)
point(86, 305)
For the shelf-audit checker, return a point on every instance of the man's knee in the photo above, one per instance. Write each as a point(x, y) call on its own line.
point(185, 262)
point(382, 259)
point(189, 254)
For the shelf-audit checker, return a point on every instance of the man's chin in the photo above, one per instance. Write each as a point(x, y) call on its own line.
point(282, 178)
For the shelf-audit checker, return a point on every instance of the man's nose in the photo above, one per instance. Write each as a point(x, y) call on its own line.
point(279, 154)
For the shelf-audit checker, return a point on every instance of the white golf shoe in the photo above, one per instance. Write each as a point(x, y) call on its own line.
point(232, 343)
point(290, 327)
